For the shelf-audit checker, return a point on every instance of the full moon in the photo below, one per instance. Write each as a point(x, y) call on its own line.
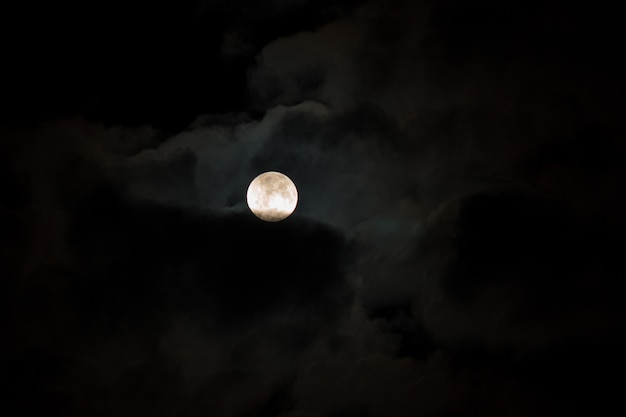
point(272, 196)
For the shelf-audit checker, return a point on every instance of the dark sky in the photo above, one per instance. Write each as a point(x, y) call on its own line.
point(458, 247)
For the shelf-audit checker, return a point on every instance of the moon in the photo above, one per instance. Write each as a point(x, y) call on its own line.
point(272, 196)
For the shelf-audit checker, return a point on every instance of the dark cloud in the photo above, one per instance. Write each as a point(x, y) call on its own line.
point(240, 253)
point(150, 292)
point(456, 248)
point(509, 257)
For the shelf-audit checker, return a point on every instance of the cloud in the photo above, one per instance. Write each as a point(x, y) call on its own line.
point(204, 311)
point(515, 269)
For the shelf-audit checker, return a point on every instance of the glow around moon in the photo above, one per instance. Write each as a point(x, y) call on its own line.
point(272, 196)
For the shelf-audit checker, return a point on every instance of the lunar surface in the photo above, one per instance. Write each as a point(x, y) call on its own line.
point(272, 196)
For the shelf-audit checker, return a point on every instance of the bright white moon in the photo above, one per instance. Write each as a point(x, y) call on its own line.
point(272, 196)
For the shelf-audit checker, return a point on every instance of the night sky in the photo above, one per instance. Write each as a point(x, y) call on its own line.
point(457, 249)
